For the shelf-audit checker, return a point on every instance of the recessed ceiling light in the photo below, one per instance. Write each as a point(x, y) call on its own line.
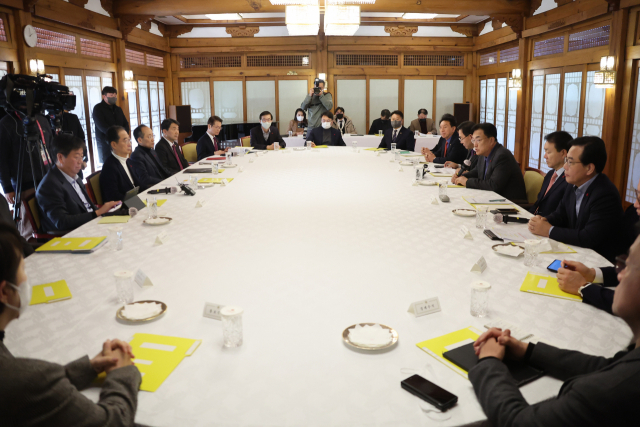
point(419, 15)
point(224, 16)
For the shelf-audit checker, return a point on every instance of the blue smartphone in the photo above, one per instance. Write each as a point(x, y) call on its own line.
point(555, 266)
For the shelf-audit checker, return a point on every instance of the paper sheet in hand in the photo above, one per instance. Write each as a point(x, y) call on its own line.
point(436, 346)
point(50, 292)
point(545, 285)
point(73, 244)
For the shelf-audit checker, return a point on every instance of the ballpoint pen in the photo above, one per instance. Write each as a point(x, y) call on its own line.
point(498, 200)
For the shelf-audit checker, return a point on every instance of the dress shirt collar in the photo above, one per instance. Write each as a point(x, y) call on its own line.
point(213, 138)
point(170, 143)
point(559, 172)
point(121, 159)
point(68, 177)
point(493, 150)
point(449, 140)
point(583, 188)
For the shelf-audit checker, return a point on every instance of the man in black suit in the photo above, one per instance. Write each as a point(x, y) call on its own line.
point(209, 144)
point(168, 149)
point(554, 185)
point(590, 213)
point(449, 147)
point(105, 115)
point(263, 137)
point(398, 134)
point(381, 124)
point(146, 165)
point(71, 124)
point(117, 175)
point(63, 201)
point(465, 133)
point(497, 169)
point(326, 135)
point(596, 392)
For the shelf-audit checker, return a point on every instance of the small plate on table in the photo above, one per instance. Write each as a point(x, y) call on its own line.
point(225, 166)
point(155, 316)
point(496, 250)
point(427, 182)
point(161, 220)
point(394, 339)
point(464, 212)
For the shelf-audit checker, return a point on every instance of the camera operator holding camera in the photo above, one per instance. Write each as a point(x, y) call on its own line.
point(317, 103)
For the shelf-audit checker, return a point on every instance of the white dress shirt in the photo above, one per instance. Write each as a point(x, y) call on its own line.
point(74, 184)
point(123, 162)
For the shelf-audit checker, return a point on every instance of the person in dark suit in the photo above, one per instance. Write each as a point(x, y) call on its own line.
point(63, 201)
point(449, 148)
point(326, 135)
point(398, 134)
point(39, 393)
point(146, 165)
point(105, 115)
point(554, 185)
point(209, 144)
point(590, 212)
point(381, 124)
point(263, 137)
point(168, 149)
point(497, 169)
point(71, 124)
point(117, 176)
point(596, 392)
point(465, 133)
point(7, 218)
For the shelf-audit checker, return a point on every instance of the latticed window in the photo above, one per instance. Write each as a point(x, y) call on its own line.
point(95, 48)
point(55, 41)
point(3, 35)
point(298, 61)
point(489, 58)
point(511, 54)
point(134, 57)
point(548, 46)
point(210, 61)
point(155, 61)
point(366, 60)
point(441, 60)
point(589, 38)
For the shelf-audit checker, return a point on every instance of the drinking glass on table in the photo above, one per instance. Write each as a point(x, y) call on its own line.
point(228, 156)
point(124, 286)
point(531, 250)
point(214, 169)
point(442, 187)
point(354, 144)
point(193, 182)
point(309, 145)
point(481, 217)
point(231, 326)
point(290, 134)
point(480, 298)
point(152, 205)
point(393, 147)
point(115, 237)
point(417, 133)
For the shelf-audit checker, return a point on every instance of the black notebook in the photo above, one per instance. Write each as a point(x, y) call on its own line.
point(465, 357)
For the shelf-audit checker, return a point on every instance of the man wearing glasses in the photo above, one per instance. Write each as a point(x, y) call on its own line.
point(590, 213)
point(209, 144)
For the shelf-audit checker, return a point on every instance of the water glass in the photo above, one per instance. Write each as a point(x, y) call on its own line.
point(442, 187)
point(124, 286)
point(393, 146)
point(354, 144)
point(214, 169)
point(290, 134)
point(152, 205)
point(228, 156)
point(380, 133)
point(417, 133)
point(531, 249)
point(193, 182)
point(115, 237)
point(309, 145)
point(276, 146)
point(480, 298)
point(481, 217)
point(231, 326)
point(417, 170)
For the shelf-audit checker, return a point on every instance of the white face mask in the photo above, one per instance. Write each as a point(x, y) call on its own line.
point(24, 292)
point(266, 125)
point(326, 125)
point(300, 118)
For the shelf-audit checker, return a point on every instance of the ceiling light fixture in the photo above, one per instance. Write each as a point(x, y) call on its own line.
point(303, 20)
point(224, 16)
point(341, 20)
point(419, 15)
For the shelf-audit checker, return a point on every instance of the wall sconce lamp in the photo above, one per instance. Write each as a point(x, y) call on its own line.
point(515, 82)
point(36, 66)
point(606, 77)
point(130, 85)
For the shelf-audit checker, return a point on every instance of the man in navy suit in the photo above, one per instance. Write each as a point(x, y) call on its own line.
point(168, 149)
point(63, 201)
point(554, 185)
point(263, 137)
point(145, 163)
point(326, 135)
point(590, 213)
point(117, 175)
point(449, 147)
point(209, 144)
point(398, 134)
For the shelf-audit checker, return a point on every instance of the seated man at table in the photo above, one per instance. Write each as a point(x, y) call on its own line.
point(497, 169)
point(398, 134)
point(554, 185)
point(145, 163)
point(117, 175)
point(63, 201)
point(465, 133)
point(343, 123)
point(590, 212)
point(326, 135)
point(381, 124)
point(449, 148)
point(209, 144)
point(597, 391)
point(263, 137)
point(168, 149)
point(423, 124)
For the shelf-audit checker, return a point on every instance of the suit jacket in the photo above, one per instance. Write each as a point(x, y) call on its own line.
point(455, 153)
point(598, 296)
point(61, 209)
point(599, 225)
point(404, 141)
point(596, 391)
point(473, 160)
point(38, 393)
point(257, 138)
point(316, 135)
point(105, 116)
point(147, 168)
point(167, 157)
point(431, 126)
point(348, 126)
point(549, 202)
point(205, 147)
point(114, 182)
point(503, 176)
point(379, 124)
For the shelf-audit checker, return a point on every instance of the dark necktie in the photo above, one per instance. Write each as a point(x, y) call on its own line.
point(395, 135)
point(175, 151)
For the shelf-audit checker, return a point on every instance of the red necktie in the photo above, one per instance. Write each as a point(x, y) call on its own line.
point(446, 145)
point(553, 179)
point(215, 144)
point(175, 151)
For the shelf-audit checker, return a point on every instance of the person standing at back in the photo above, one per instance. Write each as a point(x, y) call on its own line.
point(317, 104)
point(105, 115)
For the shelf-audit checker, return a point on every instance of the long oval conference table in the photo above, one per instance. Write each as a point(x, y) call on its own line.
point(307, 243)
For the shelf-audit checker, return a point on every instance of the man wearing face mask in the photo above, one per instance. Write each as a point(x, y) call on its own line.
point(381, 124)
point(326, 135)
point(343, 123)
point(422, 124)
point(317, 104)
point(264, 137)
point(398, 134)
point(105, 115)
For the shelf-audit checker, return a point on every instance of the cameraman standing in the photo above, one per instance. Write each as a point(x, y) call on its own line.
point(317, 103)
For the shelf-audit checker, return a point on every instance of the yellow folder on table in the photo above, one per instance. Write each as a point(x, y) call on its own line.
point(160, 202)
point(213, 180)
point(545, 285)
point(436, 346)
point(118, 219)
point(455, 186)
point(321, 146)
point(374, 149)
point(50, 292)
point(72, 244)
point(441, 174)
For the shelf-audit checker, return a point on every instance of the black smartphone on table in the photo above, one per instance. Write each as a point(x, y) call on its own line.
point(429, 392)
point(555, 266)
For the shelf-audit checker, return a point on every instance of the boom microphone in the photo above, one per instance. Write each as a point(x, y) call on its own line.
point(506, 219)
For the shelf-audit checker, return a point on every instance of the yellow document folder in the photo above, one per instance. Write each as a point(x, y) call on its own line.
point(213, 180)
point(120, 219)
point(72, 244)
point(436, 346)
point(160, 202)
point(50, 292)
point(545, 285)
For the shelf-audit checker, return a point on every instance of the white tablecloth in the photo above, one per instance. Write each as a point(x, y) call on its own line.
point(368, 141)
point(308, 243)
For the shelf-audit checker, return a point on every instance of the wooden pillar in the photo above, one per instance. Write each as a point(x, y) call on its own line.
point(322, 53)
point(25, 53)
point(121, 66)
point(524, 94)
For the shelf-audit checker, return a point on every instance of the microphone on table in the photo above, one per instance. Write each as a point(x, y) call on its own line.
point(506, 219)
point(167, 190)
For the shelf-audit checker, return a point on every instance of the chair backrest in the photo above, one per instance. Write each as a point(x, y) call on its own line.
point(533, 183)
point(93, 188)
point(246, 141)
point(30, 206)
point(190, 153)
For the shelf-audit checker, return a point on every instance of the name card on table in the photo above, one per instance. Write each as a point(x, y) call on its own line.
point(465, 233)
point(212, 310)
point(142, 279)
point(200, 203)
point(223, 182)
point(479, 266)
point(434, 200)
point(424, 307)
point(240, 169)
point(161, 239)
